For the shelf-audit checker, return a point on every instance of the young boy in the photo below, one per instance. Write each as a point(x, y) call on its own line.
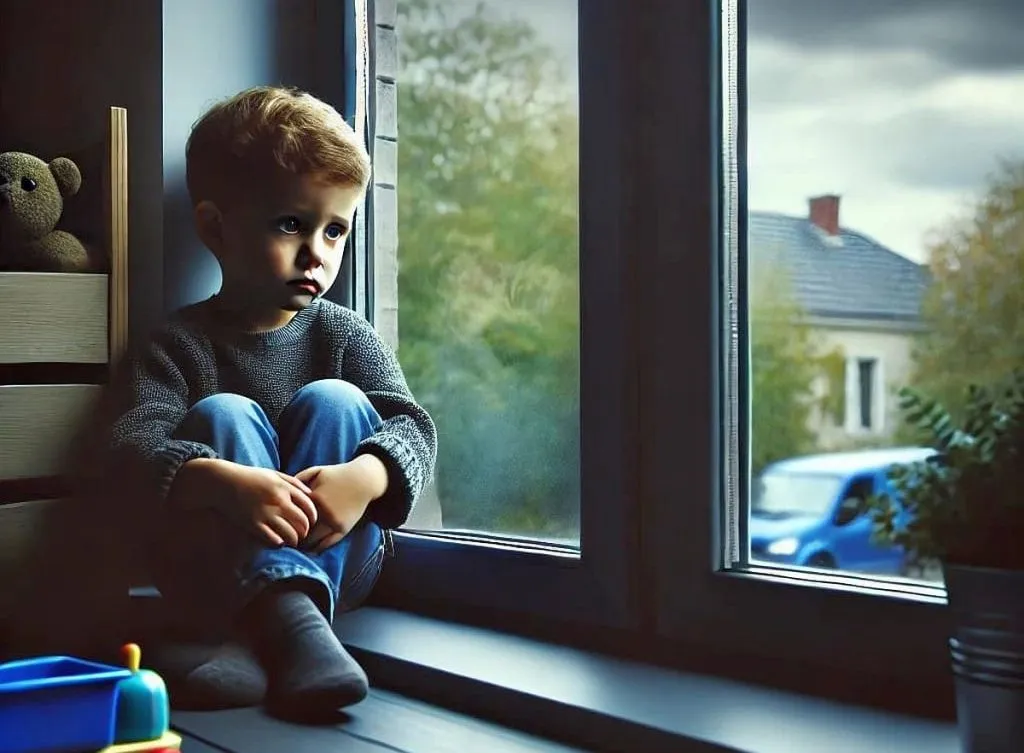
point(274, 429)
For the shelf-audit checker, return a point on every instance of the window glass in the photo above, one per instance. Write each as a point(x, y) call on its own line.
point(488, 284)
point(884, 243)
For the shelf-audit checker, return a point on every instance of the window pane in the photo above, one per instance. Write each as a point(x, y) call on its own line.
point(489, 259)
point(885, 194)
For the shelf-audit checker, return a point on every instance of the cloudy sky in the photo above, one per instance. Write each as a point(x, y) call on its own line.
point(900, 106)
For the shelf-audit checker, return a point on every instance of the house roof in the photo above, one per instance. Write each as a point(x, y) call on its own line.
point(850, 276)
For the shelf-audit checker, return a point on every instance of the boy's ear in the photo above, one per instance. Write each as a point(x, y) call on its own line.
point(208, 225)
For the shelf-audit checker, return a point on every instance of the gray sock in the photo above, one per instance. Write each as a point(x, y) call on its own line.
point(311, 675)
point(208, 676)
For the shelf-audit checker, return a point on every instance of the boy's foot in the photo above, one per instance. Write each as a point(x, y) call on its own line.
point(311, 675)
point(207, 677)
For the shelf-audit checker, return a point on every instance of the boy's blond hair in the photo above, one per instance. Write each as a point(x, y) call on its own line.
point(265, 130)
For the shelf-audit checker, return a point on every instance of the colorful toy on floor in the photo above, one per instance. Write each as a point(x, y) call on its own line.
point(60, 704)
point(168, 743)
point(143, 710)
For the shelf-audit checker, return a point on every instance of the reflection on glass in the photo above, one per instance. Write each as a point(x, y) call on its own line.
point(489, 259)
point(885, 239)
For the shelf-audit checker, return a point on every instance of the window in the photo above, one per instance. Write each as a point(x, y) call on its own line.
point(866, 387)
point(488, 284)
point(878, 235)
point(708, 383)
point(485, 178)
point(757, 537)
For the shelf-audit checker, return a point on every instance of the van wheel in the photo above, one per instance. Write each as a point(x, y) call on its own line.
point(824, 561)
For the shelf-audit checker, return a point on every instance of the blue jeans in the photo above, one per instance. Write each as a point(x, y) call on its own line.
point(209, 567)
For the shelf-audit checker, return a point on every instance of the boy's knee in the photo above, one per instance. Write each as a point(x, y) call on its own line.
point(223, 404)
point(216, 410)
point(335, 392)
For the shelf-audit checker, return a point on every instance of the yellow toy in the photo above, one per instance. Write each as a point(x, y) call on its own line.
point(169, 743)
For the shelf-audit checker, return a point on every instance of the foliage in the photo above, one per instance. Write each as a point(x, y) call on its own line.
point(833, 366)
point(784, 363)
point(488, 264)
point(488, 276)
point(974, 333)
point(964, 504)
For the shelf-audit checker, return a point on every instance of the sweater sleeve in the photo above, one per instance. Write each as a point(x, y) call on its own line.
point(142, 437)
point(406, 441)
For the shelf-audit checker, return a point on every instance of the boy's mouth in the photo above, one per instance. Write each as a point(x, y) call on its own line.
point(309, 287)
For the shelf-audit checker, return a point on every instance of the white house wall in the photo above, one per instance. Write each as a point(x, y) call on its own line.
point(892, 352)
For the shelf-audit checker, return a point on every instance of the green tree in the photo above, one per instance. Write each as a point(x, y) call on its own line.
point(972, 309)
point(784, 362)
point(488, 264)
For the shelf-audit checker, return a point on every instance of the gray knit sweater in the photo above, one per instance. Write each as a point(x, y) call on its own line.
point(193, 356)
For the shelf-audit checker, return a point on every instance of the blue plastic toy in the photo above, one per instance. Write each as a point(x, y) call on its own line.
point(57, 704)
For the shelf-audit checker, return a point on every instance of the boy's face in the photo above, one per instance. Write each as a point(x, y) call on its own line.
point(281, 246)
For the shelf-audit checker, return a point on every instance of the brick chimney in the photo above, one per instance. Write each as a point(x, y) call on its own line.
point(824, 213)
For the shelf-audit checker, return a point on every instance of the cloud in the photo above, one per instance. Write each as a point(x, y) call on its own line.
point(902, 106)
point(944, 150)
point(781, 75)
point(979, 35)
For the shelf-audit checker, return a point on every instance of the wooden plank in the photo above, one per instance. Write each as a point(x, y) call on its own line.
point(385, 162)
point(385, 263)
point(387, 110)
point(37, 423)
point(117, 231)
point(53, 317)
point(385, 13)
point(387, 54)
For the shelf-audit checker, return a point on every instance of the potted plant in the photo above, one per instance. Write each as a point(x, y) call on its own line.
point(963, 508)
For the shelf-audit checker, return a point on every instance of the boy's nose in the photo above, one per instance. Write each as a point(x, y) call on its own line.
point(312, 255)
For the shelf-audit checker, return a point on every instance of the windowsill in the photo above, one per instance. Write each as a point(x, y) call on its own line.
point(587, 699)
point(596, 701)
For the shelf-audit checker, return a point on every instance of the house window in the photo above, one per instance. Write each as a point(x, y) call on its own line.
point(866, 391)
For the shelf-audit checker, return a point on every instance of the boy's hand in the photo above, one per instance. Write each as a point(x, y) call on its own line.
point(275, 506)
point(341, 494)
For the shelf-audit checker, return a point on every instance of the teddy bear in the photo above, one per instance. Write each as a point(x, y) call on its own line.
point(32, 194)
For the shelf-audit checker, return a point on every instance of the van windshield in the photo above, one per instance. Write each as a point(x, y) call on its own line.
point(783, 494)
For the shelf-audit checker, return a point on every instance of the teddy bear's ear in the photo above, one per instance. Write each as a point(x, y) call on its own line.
point(68, 177)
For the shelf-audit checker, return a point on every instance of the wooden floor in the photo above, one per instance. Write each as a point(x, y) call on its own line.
point(384, 722)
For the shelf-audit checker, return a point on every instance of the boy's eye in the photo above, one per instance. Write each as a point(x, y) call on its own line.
point(288, 225)
point(334, 231)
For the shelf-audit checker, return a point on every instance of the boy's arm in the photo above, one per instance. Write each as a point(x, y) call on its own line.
point(142, 437)
point(406, 443)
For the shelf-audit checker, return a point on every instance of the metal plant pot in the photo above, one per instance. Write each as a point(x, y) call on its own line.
point(987, 656)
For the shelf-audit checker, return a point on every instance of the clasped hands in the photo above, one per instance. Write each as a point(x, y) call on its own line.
point(312, 510)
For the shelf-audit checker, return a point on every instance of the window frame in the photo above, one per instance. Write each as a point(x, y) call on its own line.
point(595, 586)
point(655, 535)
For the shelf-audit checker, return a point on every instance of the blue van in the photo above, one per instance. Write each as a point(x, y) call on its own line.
point(810, 511)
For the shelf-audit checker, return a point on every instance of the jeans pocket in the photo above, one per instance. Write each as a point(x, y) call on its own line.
point(358, 589)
